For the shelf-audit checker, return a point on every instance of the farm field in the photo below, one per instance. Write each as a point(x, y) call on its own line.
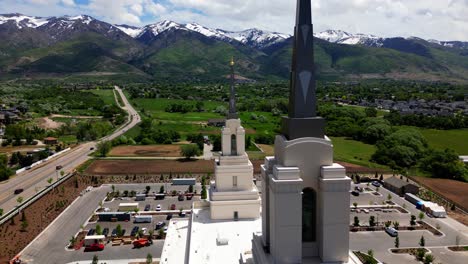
point(146, 151)
point(453, 190)
point(151, 167)
point(107, 95)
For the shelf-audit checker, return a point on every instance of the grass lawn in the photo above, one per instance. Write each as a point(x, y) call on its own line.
point(453, 139)
point(70, 139)
point(354, 152)
point(106, 95)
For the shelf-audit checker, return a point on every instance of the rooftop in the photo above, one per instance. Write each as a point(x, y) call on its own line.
point(397, 182)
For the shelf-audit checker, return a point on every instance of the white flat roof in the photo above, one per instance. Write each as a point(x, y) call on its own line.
point(206, 234)
point(175, 245)
point(128, 204)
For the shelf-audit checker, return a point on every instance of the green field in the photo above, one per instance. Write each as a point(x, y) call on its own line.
point(456, 139)
point(106, 95)
point(354, 152)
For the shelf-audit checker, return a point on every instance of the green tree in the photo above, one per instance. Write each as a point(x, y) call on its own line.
point(19, 200)
point(50, 180)
point(190, 189)
point(371, 112)
point(420, 252)
point(98, 230)
point(119, 230)
point(355, 205)
point(422, 241)
point(24, 225)
point(356, 221)
point(148, 188)
point(421, 216)
point(396, 224)
point(444, 164)
point(376, 132)
point(413, 220)
point(103, 148)
point(149, 259)
point(95, 260)
point(203, 192)
point(397, 241)
point(389, 197)
point(372, 221)
point(189, 151)
point(1, 211)
point(428, 259)
point(161, 189)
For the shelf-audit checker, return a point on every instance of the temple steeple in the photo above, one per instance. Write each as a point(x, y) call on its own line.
point(232, 98)
point(302, 120)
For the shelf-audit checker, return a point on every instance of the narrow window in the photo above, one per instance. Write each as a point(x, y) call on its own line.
point(234, 181)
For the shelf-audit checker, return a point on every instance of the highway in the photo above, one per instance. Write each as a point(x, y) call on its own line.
point(35, 179)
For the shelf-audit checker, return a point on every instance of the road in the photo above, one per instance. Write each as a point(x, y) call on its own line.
point(34, 180)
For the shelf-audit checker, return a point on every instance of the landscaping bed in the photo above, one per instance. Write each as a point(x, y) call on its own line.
point(364, 258)
point(146, 151)
point(460, 248)
point(411, 251)
point(38, 216)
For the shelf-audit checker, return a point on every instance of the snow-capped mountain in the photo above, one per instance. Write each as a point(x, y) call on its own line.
point(342, 37)
point(22, 21)
point(251, 37)
point(130, 30)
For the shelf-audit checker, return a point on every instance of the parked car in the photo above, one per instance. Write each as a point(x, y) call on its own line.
point(114, 232)
point(355, 193)
point(165, 229)
point(18, 191)
point(173, 206)
point(159, 225)
point(134, 231)
point(105, 231)
point(182, 214)
point(181, 197)
point(169, 217)
point(28, 168)
point(123, 232)
point(144, 230)
point(359, 189)
point(391, 231)
point(91, 232)
point(376, 184)
point(95, 247)
point(141, 243)
point(148, 207)
point(158, 207)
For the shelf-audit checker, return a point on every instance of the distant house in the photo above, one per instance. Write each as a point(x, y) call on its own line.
point(464, 159)
point(7, 117)
point(400, 187)
point(217, 122)
point(50, 141)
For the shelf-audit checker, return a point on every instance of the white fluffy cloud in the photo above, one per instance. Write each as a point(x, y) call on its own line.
point(436, 19)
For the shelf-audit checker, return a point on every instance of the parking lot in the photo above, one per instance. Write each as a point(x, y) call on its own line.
point(50, 246)
point(381, 243)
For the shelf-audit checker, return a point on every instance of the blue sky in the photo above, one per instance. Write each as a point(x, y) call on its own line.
point(429, 19)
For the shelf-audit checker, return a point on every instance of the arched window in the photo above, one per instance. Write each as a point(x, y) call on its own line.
point(233, 145)
point(309, 215)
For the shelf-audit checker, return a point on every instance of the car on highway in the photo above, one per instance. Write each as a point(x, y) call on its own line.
point(134, 231)
point(58, 167)
point(105, 231)
point(376, 184)
point(95, 247)
point(159, 225)
point(18, 191)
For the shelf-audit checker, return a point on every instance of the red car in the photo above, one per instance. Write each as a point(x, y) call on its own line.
point(173, 206)
point(95, 247)
point(141, 243)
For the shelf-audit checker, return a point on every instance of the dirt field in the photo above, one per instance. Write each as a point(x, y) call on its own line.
point(450, 189)
point(38, 216)
point(47, 123)
point(154, 167)
point(146, 151)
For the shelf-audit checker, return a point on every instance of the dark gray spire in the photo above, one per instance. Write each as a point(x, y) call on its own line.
point(302, 120)
point(302, 101)
point(232, 98)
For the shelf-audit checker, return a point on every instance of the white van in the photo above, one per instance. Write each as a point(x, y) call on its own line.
point(391, 231)
point(143, 219)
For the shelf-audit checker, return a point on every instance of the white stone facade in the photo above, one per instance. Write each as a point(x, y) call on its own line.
point(303, 168)
point(233, 194)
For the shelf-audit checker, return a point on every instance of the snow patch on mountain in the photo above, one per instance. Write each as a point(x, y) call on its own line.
point(23, 21)
point(129, 30)
point(342, 37)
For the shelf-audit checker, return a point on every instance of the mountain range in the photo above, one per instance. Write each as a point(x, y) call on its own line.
point(84, 47)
